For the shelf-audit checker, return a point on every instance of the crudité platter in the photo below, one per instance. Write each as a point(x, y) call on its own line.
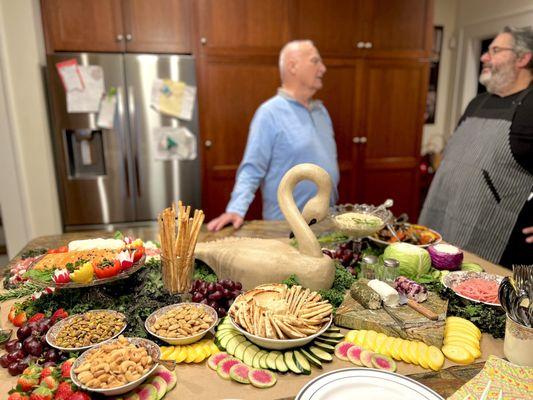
point(354, 339)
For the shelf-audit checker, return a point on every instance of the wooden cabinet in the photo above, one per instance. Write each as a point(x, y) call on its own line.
point(363, 28)
point(242, 26)
point(147, 26)
point(231, 93)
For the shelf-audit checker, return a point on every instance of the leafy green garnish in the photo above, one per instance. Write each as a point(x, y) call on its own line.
point(291, 281)
point(39, 275)
point(204, 273)
point(33, 253)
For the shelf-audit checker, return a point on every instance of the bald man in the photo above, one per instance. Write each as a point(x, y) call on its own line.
point(289, 129)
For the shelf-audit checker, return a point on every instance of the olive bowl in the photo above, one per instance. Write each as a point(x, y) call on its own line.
point(54, 331)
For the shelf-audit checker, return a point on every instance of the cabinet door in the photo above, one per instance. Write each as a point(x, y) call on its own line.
point(341, 96)
point(334, 28)
point(230, 94)
point(80, 25)
point(158, 26)
point(393, 120)
point(400, 28)
point(243, 26)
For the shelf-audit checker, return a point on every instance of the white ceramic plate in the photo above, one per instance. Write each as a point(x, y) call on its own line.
point(365, 383)
point(456, 277)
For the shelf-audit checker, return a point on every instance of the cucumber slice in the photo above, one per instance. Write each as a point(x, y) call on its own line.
point(333, 329)
point(231, 343)
point(241, 348)
point(320, 354)
point(257, 359)
point(331, 342)
point(332, 335)
point(302, 363)
point(271, 359)
point(324, 346)
point(220, 334)
point(249, 355)
point(281, 366)
point(263, 361)
point(312, 359)
point(288, 357)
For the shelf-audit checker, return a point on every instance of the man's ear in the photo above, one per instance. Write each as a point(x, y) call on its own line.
point(524, 60)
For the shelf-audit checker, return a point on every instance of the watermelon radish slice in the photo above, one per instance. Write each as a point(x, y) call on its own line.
point(213, 361)
point(224, 367)
point(239, 373)
point(354, 355)
point(167, 375)
point(160, 385)
point(261, 378)
point(383, 362)
point(341, 350)
point(366, 358)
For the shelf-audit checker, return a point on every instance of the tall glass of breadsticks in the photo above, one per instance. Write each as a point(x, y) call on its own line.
point(178, 233)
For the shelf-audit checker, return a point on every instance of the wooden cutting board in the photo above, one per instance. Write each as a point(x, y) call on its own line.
point(414, 325)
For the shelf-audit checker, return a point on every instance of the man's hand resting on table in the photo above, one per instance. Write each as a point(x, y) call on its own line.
point(528, 231)
point(224, 219)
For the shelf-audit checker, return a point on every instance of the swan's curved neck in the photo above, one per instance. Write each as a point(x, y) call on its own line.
point(307, 241)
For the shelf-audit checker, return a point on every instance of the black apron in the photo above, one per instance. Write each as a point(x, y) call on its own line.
point(479, 189)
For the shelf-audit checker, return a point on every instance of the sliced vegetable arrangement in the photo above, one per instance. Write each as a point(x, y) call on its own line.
point(191, 353)
point(461, 341)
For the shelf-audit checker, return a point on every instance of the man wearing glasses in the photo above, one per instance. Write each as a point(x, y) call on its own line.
point(481, 198)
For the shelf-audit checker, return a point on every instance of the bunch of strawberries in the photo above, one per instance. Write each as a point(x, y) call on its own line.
point(48, 383)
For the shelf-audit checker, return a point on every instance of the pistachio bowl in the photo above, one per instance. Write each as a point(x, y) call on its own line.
point(153, 350)
point(53, 332)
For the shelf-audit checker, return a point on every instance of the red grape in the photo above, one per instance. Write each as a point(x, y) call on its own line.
point(197, 297)
point(11, 357)
point(20, 366)
point(51, 355)
point(230, 285)
point(238, 286)
point(19, 354)
point(219, 287)
point(221, 312)
point(13, 345)
point(226, 293)
point(235, 293)
point(35, 348)
point(215, 296)
point(204, 301)
point(13, 369)
point(212, 303)
point(23, 332)
point(4, 362)
point(211, 287)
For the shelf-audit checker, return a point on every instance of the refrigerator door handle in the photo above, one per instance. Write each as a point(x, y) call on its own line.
point(124, 144)
point(133, 126)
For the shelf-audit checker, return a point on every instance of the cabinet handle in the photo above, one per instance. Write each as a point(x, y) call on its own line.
point(203, 41)
point(362, 139)
point(208, 143)
point(120, 38)
point(368, 45)
point(356, 139)
point(129, 37)
point(360, 45)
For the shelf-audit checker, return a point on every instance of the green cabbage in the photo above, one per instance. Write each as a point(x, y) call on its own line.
point(414, 261)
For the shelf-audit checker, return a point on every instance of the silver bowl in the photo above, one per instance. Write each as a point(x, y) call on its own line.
point(52, 333)
point(182, 340)
point(152, 348)
point(382, 215)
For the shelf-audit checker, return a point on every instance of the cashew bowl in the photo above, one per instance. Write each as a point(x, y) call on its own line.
point(116, 366)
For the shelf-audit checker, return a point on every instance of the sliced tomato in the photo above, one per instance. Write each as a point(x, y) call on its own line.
point(107, 269)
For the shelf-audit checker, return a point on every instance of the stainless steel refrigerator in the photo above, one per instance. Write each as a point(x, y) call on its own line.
point(123, 183)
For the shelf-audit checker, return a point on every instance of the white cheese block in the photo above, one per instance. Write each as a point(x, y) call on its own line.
point(387, 293)
point(89, 244)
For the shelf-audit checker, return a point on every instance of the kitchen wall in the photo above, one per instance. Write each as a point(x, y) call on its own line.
point(28, 196)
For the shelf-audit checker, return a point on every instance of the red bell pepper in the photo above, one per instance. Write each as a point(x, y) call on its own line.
point(107, 269)
point(138, 253)
point(36, 317)
point(59, 314)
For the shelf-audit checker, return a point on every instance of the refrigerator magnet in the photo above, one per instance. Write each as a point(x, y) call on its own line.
point(70, 75)
point(106, 114)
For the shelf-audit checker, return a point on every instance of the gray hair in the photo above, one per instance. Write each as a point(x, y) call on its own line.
point(522, 41)
point(290, 47)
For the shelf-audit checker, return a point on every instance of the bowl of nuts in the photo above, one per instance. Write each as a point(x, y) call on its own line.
point(83, 331)
point(117, 366)
point(182, 323)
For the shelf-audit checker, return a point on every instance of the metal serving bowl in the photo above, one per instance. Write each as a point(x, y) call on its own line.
point(361, 230)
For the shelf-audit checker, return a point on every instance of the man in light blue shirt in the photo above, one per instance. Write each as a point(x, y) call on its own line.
point(289, 129)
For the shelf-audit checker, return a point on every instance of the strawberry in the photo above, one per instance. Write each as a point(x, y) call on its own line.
point(65, 367)
point(47, 371)
point(33, 369)
point(18, 396)
point(41, 393)
point(36, 317)
point(50, 382)
point(64, 391)
point(79, 396)
point(27, 382)
point(19, 319)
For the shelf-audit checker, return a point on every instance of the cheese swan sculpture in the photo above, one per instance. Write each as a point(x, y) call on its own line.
point(254, 261)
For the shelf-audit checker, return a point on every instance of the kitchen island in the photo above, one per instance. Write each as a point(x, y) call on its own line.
point(199, 382)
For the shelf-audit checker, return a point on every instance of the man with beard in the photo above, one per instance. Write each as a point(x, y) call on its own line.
point(289, 129)
point(481, 198)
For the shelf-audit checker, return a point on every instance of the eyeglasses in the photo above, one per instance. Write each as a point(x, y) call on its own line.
point(495, 50)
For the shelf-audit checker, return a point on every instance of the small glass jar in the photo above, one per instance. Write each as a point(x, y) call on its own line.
point(369, 267)
point(390, 270)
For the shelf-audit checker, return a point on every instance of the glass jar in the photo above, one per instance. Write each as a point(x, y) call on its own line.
point(390, 270)
point(369, 267)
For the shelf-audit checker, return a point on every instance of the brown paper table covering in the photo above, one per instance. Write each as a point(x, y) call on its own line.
point(199, 382)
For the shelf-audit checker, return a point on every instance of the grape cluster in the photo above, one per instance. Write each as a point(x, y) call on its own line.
point(30, 347)
point(348, 254)
point(219, 295)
